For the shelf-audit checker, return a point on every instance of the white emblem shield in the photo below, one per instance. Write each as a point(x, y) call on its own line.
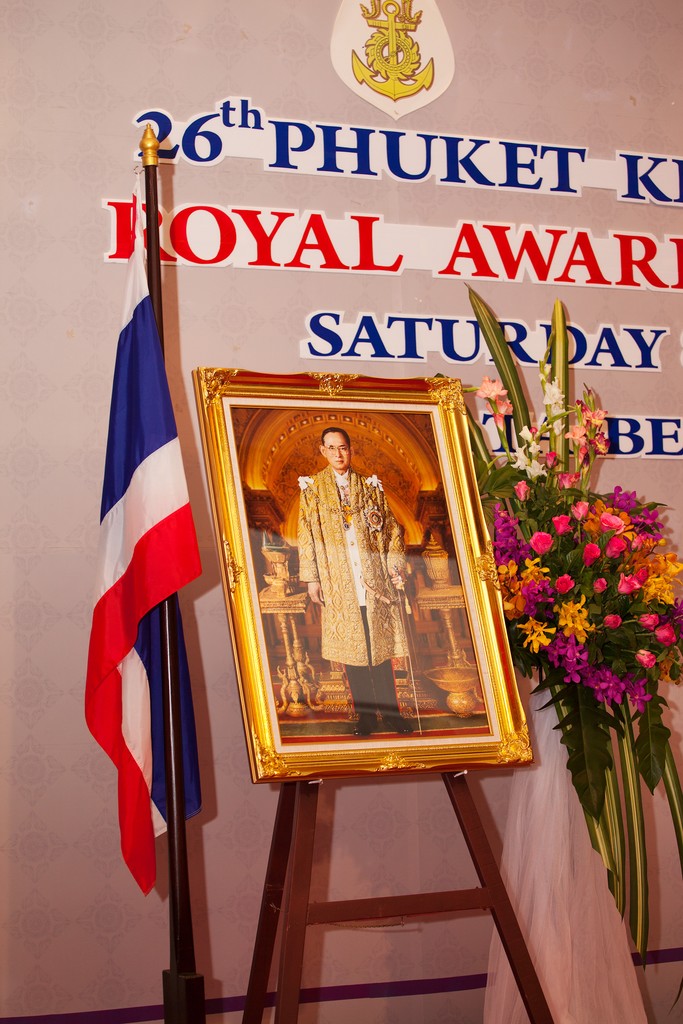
point(396, 58)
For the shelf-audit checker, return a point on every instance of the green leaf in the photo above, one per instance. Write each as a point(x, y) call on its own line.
point(674, 794)
point(614, 824)
point(635, 832)
point(652, 742)
point(479, 447)
point(559, 348)
point(500, 353)
point(586, 735)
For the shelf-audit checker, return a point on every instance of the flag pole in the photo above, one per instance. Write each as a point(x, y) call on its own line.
point(183, 988)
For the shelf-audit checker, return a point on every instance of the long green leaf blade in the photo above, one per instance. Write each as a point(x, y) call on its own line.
point(559, 347)
point(672, 784)
point(614, 823)
point(500, 353)
point(635, 830)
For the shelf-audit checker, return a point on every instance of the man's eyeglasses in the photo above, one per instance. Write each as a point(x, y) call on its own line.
point(341, 448)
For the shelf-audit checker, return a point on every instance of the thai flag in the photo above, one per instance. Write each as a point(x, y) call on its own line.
point(148, 551)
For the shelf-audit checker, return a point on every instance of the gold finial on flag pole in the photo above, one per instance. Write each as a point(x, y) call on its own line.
point(149, 144)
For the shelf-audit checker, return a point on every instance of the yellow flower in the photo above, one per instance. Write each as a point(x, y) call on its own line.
point(511, 590)
point(573, 619)
point(534, 570)
point(659, 585)
point(536, 634)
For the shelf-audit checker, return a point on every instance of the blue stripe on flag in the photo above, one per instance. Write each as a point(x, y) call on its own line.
point(149, 648)
point(141, 418)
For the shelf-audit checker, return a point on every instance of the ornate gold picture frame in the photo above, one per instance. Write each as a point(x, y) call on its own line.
point(359, 577)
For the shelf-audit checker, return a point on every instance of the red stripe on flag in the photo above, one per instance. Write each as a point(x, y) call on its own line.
point(151, 577)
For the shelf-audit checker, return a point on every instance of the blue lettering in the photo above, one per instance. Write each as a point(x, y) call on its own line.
point(563, 154)
point(454, 162)
point(248, 114)
point(637, 333)
point(521, 333)
point(660, 437)
point(326, 334)
point(635, 178)
point(367, 334)
point(624, 435)
point(410, 333)
point(607, 342)
point(513, 165)
point(282, 143)
point(361, 149)
point(448, 340)
point(394, 155)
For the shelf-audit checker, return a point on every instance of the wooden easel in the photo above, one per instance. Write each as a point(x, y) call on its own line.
point(288, 879)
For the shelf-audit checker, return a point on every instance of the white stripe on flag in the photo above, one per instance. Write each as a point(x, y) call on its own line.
point(136, 723)
point(143, 506)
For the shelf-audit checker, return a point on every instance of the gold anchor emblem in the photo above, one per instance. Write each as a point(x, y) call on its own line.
point(393, 57)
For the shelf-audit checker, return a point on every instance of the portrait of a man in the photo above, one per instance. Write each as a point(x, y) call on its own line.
point(365, 628)
point(352, 559)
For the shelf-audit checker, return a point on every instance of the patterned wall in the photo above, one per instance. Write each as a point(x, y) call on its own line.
point(75, 934)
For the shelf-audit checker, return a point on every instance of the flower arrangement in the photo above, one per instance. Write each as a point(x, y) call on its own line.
point(589, 594)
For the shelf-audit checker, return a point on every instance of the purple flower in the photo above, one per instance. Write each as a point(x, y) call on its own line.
point(637, 693)
point(567, 653)
point(607, 686)
point(508, 546)
point(623, 500)
point(537, 593)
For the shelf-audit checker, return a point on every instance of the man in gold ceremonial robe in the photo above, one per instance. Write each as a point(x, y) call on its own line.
point(351, 555)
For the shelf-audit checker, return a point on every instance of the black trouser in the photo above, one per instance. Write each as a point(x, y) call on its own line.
point(372, 686)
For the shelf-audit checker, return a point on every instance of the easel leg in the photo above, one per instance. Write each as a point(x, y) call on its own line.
point(296, 904)
point(501, 909)
point(271, 904)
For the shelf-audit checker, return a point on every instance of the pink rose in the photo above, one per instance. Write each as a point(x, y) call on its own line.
point(563, 584)
point(541, 542)
point(612, 621)
point(591, 553)
point(522, 490)
point(627, 584)
point(580, 510)
point(666, 634)
point(565, 480)
point(645, 658)
point(562, 524)
point(610, 522)
point(615, 547)
point(551, 459)
point(600, 585)
point(649, 621)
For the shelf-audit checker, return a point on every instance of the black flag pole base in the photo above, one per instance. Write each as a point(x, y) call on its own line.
point(183, 998)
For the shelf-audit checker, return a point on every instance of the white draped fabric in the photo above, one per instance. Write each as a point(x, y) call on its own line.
point(558, 887)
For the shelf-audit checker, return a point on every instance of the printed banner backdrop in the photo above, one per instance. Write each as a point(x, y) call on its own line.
point(305, 228)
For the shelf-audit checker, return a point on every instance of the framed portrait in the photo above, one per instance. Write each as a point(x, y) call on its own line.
point(359, 577)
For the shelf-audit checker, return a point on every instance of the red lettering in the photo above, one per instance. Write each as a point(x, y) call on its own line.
point(122, 230)
point(678, 246)
point(323, 243)
point(366, 250)
point(582, 245)
point(122, 234)
point(227, 236)
point(528, 246)
point(264, 241)
point(630, 262)
point(468, 247)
